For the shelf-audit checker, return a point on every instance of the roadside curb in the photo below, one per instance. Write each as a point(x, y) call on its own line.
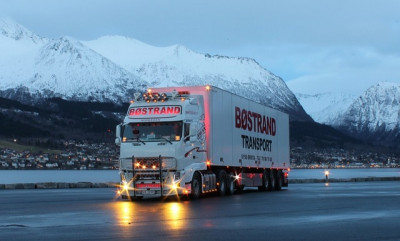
point(357, 179)
point(57, 185)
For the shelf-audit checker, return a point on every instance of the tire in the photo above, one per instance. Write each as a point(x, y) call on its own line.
point(196, 186)
point(222, 182)
point(231, 184)
point(279, 180)
point(265, 181)
point(272, 183)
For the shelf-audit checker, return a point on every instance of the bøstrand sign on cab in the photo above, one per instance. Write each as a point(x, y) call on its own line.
point(155, 110)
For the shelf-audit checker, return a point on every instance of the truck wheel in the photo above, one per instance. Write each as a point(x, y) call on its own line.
point(272, 185)
point(279, 180)
point(196, 186)
point(231, 184)
point(265, 181)
point(222, 182)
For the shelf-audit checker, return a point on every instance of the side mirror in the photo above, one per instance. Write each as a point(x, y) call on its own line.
point(118, 131)
point(118, 141)
point(118, 135)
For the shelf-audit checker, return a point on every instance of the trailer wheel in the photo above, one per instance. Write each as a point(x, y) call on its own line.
point(231, 184)
point(222, 182)
point(272, 185)
point(196, 186)
point(279, 180)
point(265, 181)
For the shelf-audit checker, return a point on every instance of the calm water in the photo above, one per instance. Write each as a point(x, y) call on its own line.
point(35, 176)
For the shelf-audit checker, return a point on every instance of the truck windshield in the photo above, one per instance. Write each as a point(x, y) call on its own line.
point(156, 131)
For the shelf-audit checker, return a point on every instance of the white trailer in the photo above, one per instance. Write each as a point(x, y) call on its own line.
point(201, 139)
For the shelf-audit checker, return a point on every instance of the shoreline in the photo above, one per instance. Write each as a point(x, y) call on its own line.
point(69, 185)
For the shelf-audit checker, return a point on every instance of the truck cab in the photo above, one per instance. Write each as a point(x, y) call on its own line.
point(161, 140)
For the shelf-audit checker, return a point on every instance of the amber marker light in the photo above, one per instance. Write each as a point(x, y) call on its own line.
point(208, 88)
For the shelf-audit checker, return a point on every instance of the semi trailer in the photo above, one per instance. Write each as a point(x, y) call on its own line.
point(195, 140)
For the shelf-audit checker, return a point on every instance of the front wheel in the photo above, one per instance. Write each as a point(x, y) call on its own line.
point(196, 186)
point(231, 184)
point(222, 182)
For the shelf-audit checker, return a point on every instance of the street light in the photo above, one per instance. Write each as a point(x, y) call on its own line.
point(326, 175)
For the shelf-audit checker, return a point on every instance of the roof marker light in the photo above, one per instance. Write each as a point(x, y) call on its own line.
point(174, 94)
point(136, 95)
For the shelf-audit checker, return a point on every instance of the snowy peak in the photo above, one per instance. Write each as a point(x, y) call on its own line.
point(112, 68)
point(326, 107)
point(61, 67)
point(375, 115)
point(177, 65)
point(11, 29)
point(378, 107)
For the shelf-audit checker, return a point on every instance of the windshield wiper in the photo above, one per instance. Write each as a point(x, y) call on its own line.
point(166, 140)
point(144, 143)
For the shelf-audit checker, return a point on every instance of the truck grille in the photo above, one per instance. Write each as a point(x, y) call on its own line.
point(153, 163)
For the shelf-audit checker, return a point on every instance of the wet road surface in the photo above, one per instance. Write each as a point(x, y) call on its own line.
point(338, 211)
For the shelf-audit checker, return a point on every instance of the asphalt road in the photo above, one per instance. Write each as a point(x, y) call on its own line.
point(339, 211)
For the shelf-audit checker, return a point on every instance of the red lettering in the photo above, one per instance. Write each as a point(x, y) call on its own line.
point(252, 121)
point(237, 117)
point(162, 110)
point(264, 127)
point(269, 125)
point(244, 119)
point(273, 124)
point(249, 121)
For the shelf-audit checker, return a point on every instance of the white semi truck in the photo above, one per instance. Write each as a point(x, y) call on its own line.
point(196, 140)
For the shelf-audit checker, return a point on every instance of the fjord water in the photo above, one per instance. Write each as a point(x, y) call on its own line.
point(36, 176)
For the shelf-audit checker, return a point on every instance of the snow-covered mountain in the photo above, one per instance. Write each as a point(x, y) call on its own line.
point(326, 108)
point(375, 115)
point(179, 66)
point(42, 68)
point(112, 68)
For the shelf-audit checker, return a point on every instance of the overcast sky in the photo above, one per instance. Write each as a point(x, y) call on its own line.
point(314, 45)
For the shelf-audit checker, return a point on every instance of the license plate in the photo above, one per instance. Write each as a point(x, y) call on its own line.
point(149, 192)
point(148, 185)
